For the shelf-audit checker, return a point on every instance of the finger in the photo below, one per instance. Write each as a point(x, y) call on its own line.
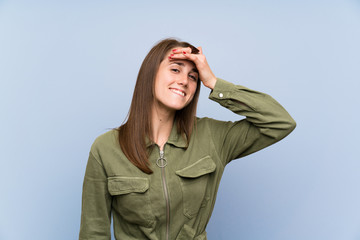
point(190, 56)
point(200, 50)
point(181, 50)
point(181, 55)
point(176, 50)
point(188, 50)
point(185, 54)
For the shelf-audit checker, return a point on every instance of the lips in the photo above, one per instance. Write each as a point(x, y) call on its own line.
point(178, 92)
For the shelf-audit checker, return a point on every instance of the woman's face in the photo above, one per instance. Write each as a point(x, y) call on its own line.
point(175, 83)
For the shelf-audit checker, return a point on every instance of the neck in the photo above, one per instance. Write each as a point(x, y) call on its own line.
point(161, 125)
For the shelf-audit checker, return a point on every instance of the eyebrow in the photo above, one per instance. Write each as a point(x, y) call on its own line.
point(183, 65)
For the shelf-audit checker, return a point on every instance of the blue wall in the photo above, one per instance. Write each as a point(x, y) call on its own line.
point(67, 71)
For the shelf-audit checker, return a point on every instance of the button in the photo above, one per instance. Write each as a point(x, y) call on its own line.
point(221, 95)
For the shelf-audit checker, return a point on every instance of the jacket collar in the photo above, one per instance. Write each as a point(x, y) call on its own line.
point(175, 138)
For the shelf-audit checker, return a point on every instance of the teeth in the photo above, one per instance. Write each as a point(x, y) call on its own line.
point(179, 92)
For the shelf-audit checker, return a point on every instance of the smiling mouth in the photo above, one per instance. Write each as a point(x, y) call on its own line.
point(177, 91)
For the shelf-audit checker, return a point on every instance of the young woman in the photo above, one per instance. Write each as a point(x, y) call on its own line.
point(158, 174)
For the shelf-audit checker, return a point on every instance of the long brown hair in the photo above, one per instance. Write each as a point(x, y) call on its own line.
point(133, 133)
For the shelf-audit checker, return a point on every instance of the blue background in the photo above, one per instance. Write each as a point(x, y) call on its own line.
point(67, 72)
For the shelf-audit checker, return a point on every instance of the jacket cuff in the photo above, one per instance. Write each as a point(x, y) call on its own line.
point(222, 90)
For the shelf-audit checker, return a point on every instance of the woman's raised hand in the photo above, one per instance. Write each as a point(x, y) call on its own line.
point(206, 75)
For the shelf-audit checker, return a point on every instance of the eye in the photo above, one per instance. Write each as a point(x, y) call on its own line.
point(194, 78)
point(175, 70)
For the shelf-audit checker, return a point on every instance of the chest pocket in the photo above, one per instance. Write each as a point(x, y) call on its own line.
point(130, 199)
point(194, 180)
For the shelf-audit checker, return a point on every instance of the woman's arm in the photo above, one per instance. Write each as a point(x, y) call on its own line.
point(96, 203)
point(266, 120)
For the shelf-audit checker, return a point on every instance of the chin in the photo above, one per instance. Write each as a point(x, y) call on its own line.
point(177, 108)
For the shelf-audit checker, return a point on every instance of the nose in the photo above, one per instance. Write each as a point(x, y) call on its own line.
point(183, 80)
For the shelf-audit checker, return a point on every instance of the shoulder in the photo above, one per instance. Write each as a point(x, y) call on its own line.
point(105, 141)
point(206, 122)
point(206, 127)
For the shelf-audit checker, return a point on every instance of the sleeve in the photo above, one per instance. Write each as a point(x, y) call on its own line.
point(266, 121)
point(96, 203)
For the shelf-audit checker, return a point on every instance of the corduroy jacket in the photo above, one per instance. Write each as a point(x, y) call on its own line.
point(177, 199)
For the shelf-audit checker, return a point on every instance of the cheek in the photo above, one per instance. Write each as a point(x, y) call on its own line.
point(193, 88)
point(193, 91)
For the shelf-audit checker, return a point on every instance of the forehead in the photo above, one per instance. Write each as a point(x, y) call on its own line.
point(182, 63)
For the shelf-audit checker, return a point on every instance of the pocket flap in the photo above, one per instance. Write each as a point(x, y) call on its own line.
point(125, 185)
point(201, 167)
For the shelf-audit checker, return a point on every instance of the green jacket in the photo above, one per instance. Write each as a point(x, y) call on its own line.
point(176, 201)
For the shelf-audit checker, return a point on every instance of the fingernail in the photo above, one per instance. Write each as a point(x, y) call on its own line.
point(184, 52)
point(174, 50)
point(172, 54)
point(169, 57)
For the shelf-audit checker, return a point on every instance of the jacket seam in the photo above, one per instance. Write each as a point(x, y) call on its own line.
point(214, 146)
point(97, 160)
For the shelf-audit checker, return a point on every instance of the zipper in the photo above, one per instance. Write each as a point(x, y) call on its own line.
point(161, 163)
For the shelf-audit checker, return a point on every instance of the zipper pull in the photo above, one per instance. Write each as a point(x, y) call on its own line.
point(161, 154)
point(161, 162)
